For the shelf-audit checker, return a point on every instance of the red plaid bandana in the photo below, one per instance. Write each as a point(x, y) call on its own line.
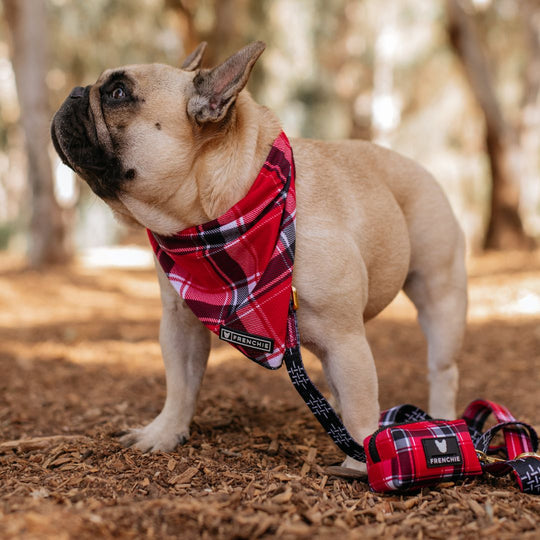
point(235, 272)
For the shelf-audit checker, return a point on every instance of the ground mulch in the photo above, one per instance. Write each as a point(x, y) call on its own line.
point(80, 362)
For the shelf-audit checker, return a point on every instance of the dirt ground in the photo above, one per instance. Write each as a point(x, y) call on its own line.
point(80, 361)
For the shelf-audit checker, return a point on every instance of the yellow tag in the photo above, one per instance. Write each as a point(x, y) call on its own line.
point(294, 298)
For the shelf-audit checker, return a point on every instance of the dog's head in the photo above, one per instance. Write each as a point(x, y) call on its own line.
point(136, 131)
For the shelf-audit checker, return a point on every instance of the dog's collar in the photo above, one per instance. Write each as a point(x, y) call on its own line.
point(235, 272)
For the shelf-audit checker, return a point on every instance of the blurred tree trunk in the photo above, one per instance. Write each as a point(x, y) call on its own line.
point(27, 25)
point(227, 33)
point(188, 33)
point(505, 228)
point(229, 30)
point(529, 121)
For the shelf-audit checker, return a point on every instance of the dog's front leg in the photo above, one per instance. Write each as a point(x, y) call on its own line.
point(185, 345)
point(350, 369)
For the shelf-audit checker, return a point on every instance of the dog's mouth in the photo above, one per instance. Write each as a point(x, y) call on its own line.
point(57, 146)
point(74, 138)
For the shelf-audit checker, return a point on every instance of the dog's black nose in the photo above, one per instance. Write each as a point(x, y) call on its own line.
point(77, 92)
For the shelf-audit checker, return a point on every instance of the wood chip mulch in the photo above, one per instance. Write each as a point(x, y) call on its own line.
point(80, 362)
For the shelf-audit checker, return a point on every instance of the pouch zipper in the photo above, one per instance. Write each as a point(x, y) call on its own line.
point(372, 445)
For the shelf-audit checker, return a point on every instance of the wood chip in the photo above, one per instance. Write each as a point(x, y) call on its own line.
point(37, 443)
point(187, 475)
point(476, 508)
point(282, 498)
point(345, 472)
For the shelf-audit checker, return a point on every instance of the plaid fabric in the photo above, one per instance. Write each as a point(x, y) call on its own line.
point(235, 272)
point(516, 438)
point(398, 457)
point(526, 470)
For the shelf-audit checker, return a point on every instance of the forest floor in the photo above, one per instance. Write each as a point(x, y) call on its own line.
point(79, 361)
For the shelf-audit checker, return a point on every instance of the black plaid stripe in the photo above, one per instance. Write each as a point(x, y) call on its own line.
point(277, 161)
point(403, 468)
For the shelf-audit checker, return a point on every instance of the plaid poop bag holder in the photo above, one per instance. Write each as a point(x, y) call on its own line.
point(411, 450)
point(411, 455)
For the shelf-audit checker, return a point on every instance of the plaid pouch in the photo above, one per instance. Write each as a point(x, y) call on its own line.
point(411, 455)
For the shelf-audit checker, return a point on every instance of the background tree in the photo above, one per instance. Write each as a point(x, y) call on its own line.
point(505, 227)
point(27, 23)
point(375, 69)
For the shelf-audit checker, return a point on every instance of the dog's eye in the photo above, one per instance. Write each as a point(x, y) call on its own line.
point(118, 92)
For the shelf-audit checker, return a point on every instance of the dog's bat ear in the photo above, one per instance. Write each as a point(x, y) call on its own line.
point(193, 61)
point(215, 90)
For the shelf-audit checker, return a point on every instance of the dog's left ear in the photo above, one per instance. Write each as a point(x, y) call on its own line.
point(215, 90)
point(193, 61)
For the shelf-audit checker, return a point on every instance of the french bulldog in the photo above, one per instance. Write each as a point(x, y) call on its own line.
point(169, 148)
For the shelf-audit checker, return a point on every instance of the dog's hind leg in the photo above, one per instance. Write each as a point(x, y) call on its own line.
point(185, 345)
point(437, 285)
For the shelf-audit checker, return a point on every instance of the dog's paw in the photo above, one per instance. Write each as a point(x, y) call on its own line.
point(158, 436)
point(358, 466)
point(350, 468)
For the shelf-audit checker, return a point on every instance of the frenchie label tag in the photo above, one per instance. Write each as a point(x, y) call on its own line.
point(236, 337)
point(442, 451)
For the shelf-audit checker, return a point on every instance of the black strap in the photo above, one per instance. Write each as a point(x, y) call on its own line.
point(401, 414)
point(483, 441)
point(527, 473)
point(323, 411)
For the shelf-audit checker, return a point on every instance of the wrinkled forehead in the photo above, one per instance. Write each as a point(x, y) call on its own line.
point(146, 75)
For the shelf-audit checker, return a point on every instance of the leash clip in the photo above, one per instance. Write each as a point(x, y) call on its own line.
point(528, 454)
point(484, 458)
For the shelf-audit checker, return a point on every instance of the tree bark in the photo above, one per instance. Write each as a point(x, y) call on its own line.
point(505, 228)
point(27, 24)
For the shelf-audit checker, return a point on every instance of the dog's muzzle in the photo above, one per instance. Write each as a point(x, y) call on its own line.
point(74, 137)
